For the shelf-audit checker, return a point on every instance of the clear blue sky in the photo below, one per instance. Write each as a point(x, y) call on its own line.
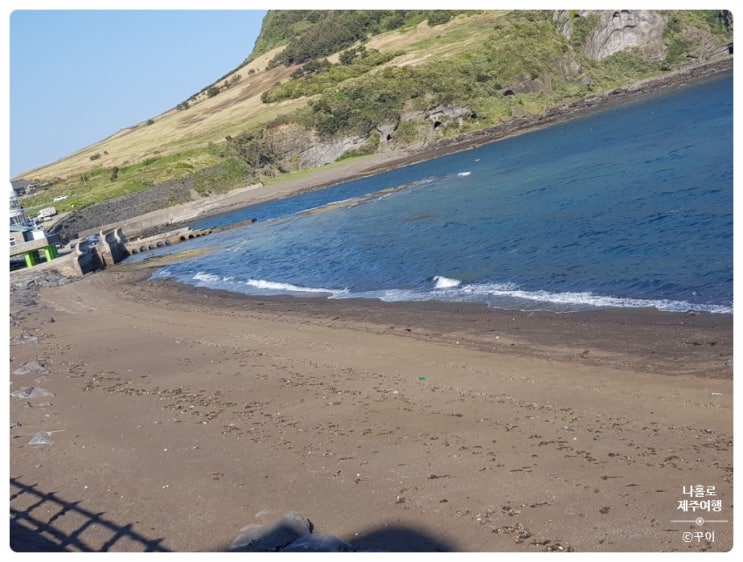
point(78, 76)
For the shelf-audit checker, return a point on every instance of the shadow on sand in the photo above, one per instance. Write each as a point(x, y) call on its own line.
point(43, 522)
point(400, 539)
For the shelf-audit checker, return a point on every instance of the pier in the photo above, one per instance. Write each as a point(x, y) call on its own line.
point(112, 246)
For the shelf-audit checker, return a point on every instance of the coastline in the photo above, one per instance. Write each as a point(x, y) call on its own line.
point(644, 340)
point(184, 414)
point(363, 166)
point(178, 415)
point(345, 171)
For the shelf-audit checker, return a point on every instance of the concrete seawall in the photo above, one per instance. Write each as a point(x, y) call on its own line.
point(113, 246)
point(177, 214)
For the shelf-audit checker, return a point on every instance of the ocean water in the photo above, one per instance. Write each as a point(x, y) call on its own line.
point(630, 207)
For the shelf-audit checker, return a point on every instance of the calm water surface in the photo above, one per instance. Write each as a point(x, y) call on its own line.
point(631, 207)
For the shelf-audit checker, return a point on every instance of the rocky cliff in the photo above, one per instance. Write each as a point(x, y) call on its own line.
point(616, 31)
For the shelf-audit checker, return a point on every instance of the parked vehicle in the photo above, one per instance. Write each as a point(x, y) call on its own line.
point(46, 214)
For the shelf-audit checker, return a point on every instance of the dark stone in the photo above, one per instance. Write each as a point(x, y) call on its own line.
point(271, 538)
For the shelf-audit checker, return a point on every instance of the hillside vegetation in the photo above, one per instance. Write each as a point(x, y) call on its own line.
point(323, 85)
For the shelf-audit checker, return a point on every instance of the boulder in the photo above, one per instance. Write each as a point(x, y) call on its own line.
point(291, 533)
point(272, 538)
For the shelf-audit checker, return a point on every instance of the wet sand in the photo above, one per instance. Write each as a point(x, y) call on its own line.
point(179, 416)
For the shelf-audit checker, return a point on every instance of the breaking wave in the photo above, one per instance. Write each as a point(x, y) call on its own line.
point(445, 283)
point(510, 296)
point(496, 295)
point(275, 287)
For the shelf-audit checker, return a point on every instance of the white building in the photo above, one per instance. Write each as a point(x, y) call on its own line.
point(25, 239)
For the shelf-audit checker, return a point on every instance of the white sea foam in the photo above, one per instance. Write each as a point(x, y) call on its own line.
point(206, 277)
point(464, 173)
point(583, 300)
point(278, 287)
point(163, 273)
point(510, 296)
point(496, 295)
point(445, 283)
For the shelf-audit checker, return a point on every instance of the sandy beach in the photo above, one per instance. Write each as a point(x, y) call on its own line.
point(178, 416)
point(149, 416)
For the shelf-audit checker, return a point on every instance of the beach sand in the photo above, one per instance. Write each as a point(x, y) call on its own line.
point(179, 415)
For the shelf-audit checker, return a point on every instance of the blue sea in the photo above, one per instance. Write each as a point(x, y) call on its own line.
point(631, 207)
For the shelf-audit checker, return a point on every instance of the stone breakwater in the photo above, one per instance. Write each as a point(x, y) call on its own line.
point(113, 246)
point(108, 248)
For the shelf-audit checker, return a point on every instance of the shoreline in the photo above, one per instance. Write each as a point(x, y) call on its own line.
point(344, 171)
point(647, 340)
point(378, 163)
point(173, 416)
point(180, 415)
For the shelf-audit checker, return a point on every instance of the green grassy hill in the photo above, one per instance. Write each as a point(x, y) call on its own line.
point(338, 84)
